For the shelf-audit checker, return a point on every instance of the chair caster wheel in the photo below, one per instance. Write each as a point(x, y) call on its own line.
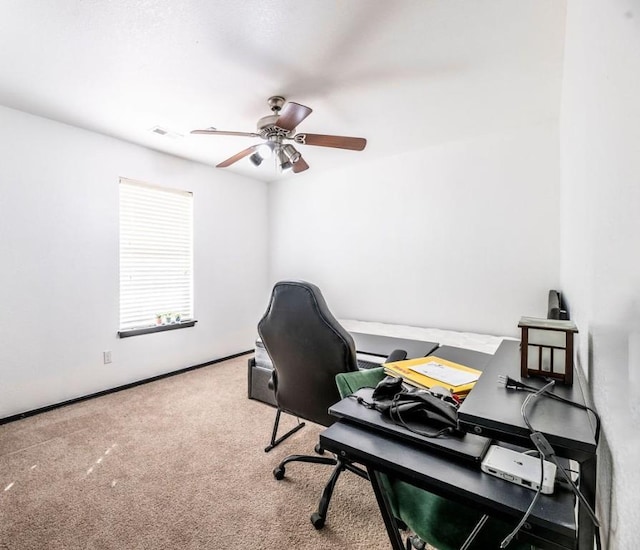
point(319, 450)
point(416, 543)
point(278, 472)
point(317, 520)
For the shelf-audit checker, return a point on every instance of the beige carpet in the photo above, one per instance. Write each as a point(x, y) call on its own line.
point(173, 464)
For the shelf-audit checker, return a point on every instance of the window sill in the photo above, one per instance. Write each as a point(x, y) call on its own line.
point(126, 333)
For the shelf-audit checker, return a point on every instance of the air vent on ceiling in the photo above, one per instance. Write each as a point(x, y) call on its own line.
point(164, 132)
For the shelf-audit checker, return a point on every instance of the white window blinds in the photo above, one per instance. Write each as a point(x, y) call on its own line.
point(156, 254)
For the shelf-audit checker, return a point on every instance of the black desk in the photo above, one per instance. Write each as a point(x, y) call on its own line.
point(552, 525)
point(375, 344)
point(494, 411)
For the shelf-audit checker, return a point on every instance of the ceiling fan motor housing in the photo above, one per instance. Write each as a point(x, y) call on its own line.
point(268, 128)
point(268, 125)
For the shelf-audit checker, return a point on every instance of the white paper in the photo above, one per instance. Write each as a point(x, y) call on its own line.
point(445, 374)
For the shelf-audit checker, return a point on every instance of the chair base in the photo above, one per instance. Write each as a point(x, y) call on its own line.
point(415, 543)
point(279, 470)
point(274, 442)
point(319, 517)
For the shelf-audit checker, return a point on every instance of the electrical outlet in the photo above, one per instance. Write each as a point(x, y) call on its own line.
point(106, 357)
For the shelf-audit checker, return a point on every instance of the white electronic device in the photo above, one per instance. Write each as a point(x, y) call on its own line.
point(519, 468)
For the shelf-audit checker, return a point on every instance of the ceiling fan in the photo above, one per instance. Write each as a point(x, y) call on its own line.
point(281, 126)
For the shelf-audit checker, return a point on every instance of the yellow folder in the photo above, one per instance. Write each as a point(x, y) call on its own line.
point(405, 370)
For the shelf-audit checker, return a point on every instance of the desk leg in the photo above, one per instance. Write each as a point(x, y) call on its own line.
point(385, 510)
point(586, 529)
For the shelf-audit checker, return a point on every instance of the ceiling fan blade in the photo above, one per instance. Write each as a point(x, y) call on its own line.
point(300, 166)
point(339, 142)
point(237, 157)
point(291, 115)
point(225, 133)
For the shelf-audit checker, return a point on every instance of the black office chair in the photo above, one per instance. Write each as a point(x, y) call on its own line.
point(308, 348)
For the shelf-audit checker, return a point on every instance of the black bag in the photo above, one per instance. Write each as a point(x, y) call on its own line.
point(417, 406)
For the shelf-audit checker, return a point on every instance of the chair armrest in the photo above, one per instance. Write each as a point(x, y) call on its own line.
point(273, 380)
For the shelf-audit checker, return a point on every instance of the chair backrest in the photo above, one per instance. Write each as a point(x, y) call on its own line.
point(308, 347)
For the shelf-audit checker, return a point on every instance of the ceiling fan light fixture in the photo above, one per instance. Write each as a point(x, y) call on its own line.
point(293, 155)
point(265, 150)
point(256, 159)
point(283, 161)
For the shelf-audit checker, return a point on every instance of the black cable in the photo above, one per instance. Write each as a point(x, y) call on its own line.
point(362, 401)
point(544, 448)
point(576, 491)
point(512, 384)
point(523, 411)
point(399, 420)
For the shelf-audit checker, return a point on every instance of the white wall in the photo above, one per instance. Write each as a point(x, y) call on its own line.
point(59, 250)
point(601, 225)
point(461, 236)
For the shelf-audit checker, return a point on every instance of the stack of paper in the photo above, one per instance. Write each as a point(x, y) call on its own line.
point(426, 372)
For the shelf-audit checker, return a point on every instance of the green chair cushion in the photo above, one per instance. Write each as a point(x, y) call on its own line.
point(351, 382)
point(446, 524)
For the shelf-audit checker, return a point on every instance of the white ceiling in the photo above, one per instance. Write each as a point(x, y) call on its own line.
point(404, 74)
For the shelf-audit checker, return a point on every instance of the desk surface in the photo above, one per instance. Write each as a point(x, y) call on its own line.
point(383, 345)
point(494, 411)
point(455, 480)
point(470, 358)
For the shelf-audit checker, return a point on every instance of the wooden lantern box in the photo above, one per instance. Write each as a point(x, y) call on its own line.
point(546, 348)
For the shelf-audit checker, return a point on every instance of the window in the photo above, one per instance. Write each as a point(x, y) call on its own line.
point(156, 258)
